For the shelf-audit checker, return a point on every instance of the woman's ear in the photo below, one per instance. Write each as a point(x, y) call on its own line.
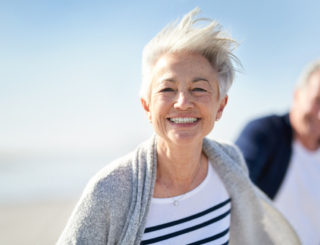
point(222, 105)
point(146, 108)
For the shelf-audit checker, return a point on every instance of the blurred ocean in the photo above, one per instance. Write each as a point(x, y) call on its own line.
point(34, 181)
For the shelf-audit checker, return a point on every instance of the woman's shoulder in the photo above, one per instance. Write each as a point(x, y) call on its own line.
point(117, 176)
point(229, 149)
point(106, 201)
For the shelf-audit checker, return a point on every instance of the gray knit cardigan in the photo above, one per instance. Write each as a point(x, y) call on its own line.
point(114, 206)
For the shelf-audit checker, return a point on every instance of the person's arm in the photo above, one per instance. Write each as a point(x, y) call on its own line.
point(102, 212)
point(256, 144)
point(89, 222)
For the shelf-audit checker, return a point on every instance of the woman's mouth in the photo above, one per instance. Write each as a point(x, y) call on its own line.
point(183, 119)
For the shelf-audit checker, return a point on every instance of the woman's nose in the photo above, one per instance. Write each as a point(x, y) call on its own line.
point(184, 101)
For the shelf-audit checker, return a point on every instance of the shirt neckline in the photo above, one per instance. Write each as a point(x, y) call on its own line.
point(188, 194)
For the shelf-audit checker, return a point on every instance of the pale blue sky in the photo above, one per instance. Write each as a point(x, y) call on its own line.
point(70, 71)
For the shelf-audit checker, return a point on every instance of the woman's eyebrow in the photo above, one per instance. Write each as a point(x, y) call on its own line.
point(172, 80)
point(198, 79)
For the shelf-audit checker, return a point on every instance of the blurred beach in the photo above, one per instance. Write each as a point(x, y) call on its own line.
point(37, 198)
point(33, 223)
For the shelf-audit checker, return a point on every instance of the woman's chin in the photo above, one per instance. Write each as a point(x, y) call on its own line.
point(184, 139)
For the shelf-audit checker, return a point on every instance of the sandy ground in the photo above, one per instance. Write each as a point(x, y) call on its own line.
point(33, 223)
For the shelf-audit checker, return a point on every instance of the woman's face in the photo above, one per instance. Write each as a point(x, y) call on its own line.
point(184, 101)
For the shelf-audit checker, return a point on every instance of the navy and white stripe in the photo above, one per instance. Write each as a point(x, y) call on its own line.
point(215, 214)
point(202, 216)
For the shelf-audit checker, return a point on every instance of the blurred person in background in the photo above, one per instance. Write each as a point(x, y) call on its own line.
point(283, 157)
point(180, 187)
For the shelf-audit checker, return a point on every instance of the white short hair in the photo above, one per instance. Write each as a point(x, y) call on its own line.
point(307, 72)
point(184, 37)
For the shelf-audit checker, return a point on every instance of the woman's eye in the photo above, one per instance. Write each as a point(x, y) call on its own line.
point(167, 90)
point(199, 89)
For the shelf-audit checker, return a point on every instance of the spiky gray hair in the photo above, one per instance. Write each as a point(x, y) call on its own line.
point(184, 37)
point(307, 72)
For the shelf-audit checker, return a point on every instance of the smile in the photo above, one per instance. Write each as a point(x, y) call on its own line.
point(183, 119)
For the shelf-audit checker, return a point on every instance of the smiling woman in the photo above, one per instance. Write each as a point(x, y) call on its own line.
point(179, 187)
point(184, 86)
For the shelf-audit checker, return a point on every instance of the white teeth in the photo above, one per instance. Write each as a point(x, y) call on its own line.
point(183, 119)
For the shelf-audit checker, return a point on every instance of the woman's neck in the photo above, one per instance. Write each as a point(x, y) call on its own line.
point(179, 166)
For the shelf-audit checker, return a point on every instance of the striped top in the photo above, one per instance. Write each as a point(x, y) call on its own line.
point(202, 216)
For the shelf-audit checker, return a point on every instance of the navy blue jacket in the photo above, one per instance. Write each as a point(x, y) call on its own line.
point(266, 144)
